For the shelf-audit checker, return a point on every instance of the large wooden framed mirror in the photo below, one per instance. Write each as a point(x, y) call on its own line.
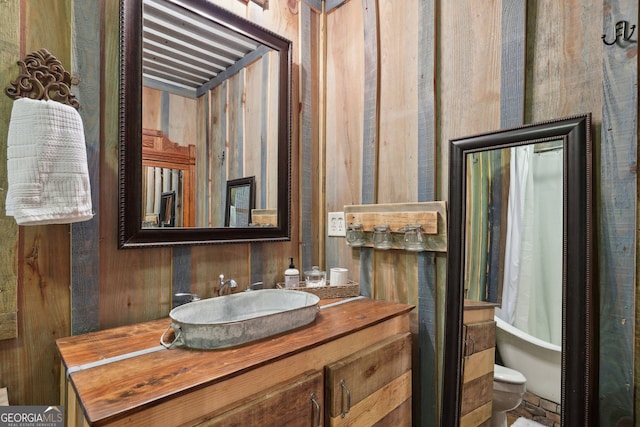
point(521, 236)
point(204, 99)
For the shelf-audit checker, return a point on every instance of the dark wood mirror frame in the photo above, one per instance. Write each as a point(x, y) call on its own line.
point(130, 231)
point(579, 325)
point(248, 183)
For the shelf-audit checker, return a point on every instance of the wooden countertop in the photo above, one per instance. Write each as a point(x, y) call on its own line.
point(478, 305)
point(155, 374)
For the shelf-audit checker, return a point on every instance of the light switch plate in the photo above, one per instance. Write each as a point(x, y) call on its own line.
point(335, 224)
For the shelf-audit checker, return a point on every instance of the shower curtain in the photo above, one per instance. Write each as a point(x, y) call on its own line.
point(532, 289)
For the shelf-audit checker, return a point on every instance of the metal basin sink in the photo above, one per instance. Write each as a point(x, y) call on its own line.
point(240, 318)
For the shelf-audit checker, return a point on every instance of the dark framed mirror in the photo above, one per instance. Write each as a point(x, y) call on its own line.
point(191, 75)
point(499, 185)
point(168, 209)
point(240, 202)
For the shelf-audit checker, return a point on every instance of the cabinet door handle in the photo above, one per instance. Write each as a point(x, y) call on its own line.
point(346, 390)
point(317, 409)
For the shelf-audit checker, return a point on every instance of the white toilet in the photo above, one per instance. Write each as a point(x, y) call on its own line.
point(509, 386)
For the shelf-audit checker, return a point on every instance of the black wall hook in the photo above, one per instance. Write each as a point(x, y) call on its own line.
point(624, 32)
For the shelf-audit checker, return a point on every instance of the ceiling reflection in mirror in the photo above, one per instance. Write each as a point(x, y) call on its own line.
point(205, 101)
point(209, 92)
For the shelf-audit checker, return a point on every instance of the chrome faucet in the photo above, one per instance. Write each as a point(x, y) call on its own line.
point(254, 286)
point(229, 284)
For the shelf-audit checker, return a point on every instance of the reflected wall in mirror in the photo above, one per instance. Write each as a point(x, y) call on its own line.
point(205, 98)
point(521, 236)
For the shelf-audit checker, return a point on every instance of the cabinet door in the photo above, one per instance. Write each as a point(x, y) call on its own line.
point(372, 386)
point(297, 403)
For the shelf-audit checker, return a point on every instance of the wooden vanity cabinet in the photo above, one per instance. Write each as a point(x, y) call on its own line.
point(120, 377)
point(368, 388)
point(479, 338)
point(293, 403)
point(369, 385)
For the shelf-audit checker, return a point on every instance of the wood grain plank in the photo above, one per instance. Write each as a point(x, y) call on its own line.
point(477, 417)
point(152, 111)
point(235, 127)
point(204, 166)
point(317, 76)
point(269, 170)
point(478, 311)
point(180, 273)
point(312, 201)
point(512, 74)
point(481, 336)
point(430, 316)
point(371, 106)
point(344, 103)
point(378, 404)
point(284, 405)
point(478, 364)
point(476, 392)
point(396, 220)
point(365, 372)
point(471, 79)
point(397, 170)
point(618, 218)
point(564, 63)
point(180, 120)
point(370, 132)
point(255, 88)
point(85, 236)
point(399, 417)
point(9, 55)
point(218, 142)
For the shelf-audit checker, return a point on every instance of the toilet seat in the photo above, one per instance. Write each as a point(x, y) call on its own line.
point(506, 375)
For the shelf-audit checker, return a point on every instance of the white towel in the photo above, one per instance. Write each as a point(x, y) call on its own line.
point(47, 164)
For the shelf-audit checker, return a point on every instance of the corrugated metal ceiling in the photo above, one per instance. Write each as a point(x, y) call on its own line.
point(183, 52)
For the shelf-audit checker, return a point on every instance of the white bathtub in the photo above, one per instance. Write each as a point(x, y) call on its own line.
point(538, 360)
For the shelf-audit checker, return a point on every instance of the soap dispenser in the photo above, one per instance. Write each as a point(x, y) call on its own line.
point(291, 275)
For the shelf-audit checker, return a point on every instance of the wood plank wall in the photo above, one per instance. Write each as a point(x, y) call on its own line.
point(568, 71)
point(617, 216)
point(559, 73)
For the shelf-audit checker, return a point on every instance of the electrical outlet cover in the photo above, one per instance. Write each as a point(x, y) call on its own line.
point(336, 226)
